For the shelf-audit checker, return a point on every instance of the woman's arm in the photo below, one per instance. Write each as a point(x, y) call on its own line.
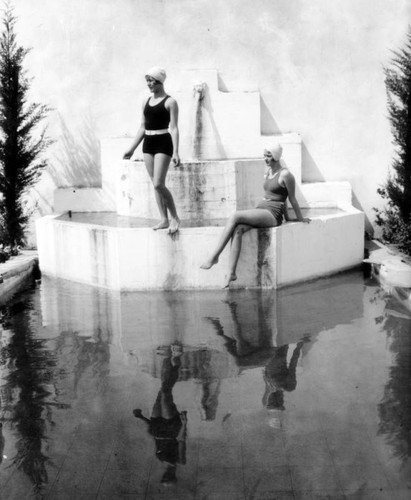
point(289, 182)
point(138, 138)
point(173, 108)
point(138, 414)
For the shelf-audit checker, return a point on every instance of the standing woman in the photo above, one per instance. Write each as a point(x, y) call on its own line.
point(279, 184)
point(159, 133)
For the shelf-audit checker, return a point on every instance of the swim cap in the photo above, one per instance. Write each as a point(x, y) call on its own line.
point(275, 149)
point(157, 73)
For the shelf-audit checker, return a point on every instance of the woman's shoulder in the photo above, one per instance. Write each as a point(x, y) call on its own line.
point(145, 99)
point(284, 172)
point(170, 102)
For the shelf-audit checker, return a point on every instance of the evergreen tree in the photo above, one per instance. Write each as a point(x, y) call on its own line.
point(395, 220)
point(20, 146)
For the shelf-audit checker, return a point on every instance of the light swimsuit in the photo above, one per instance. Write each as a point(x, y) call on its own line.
point(275, 196)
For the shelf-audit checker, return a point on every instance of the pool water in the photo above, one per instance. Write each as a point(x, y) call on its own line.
point(112, 219)
point(303, 392)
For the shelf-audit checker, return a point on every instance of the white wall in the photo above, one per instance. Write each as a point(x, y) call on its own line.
point(317, 63)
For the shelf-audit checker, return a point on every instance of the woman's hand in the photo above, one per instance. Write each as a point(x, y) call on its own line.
point(127, 155)
point(176, 160)
point(306, 220)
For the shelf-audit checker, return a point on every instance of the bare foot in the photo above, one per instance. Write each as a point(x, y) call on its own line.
point(174, 225)
point(209, 263)
point(161, 225)
point(231, 277)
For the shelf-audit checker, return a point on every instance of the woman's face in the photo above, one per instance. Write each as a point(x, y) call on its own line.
point(152, 84)
point(268, 157)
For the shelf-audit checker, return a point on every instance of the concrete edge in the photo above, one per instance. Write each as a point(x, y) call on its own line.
point(15, 273)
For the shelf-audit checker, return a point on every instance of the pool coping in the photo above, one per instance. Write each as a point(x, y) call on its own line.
point(380, 254)
point(15, 272)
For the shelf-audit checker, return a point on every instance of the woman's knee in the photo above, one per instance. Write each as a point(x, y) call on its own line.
point(234, 219)
point(159, 186)
point(240, 229)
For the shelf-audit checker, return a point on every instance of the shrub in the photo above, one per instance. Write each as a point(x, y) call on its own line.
point(395, 219)
point(21, 162)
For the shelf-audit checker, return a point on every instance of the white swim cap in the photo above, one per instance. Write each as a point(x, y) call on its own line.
point(157, 73)
point(275, 149)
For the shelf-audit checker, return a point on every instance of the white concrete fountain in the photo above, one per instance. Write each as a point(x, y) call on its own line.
point(108, 240)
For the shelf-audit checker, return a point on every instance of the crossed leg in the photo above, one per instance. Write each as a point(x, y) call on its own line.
point(236, 244)
point(238, 224)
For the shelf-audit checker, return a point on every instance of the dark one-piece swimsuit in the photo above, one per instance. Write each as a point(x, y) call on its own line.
point(157, 117)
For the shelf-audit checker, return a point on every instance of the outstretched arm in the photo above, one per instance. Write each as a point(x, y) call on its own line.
point(138, 138)
point(173, 108)
point(138, 414)
point(289, 182)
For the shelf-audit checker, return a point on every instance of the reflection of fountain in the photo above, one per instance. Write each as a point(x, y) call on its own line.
point(118, 250)
point(42, 365)
point(137, 326)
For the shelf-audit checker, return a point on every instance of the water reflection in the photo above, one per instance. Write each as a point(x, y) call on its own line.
point(167, 425)
point(26, 374)
point(38, 378)
point(255, 347)
point(2, 443)
point(395, 406)
point(83, 361)
point(280, 376)
point(207, 368)
point(83, 372)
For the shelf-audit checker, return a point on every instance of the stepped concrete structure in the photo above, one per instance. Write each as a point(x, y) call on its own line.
point(103, 236)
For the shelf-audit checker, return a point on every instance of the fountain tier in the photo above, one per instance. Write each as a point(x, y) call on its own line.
point(108, 242)
point(107, 253)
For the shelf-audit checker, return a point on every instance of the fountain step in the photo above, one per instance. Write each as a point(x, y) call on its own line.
point(200, 192)
point(112, 150)
point(118, 253)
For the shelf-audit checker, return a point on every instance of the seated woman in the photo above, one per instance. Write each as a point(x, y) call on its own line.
point(279, 184)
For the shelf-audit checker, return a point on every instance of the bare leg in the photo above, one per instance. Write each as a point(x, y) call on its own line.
point(163, 224)
point(236, 243)
point(161, 164)
point(255, 217)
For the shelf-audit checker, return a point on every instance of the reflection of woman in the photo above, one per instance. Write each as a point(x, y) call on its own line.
point(159, 130)
point(279, 184)
point(280, 377)
point(167, 425)
point(252, 340)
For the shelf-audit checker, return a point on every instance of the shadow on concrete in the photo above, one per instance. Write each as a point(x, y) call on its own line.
point(222, 87)
point(208, 106)
point(76, 161)
point(367, 223)
point(310, 171)
point(268, 125)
